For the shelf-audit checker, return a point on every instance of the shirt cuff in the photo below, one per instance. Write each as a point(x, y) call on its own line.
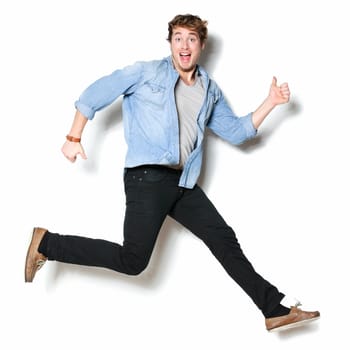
point(85, 110)
point(248, 125)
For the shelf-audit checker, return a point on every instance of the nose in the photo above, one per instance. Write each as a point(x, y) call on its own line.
point(184, 44)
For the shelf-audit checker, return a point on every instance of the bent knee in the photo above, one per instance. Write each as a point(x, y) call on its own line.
point(136, 270)
point(136, 267)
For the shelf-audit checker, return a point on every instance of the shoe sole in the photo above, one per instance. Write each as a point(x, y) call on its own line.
point(293, 325)
point(27, 276)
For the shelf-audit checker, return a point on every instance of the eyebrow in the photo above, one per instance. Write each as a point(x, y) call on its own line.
point(190, 33)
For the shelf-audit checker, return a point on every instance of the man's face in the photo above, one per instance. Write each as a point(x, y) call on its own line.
point(186, 49)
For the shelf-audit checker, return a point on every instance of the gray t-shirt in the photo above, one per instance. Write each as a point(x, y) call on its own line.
point(189, 99)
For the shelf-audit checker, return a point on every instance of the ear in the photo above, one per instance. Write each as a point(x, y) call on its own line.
point(203, 45)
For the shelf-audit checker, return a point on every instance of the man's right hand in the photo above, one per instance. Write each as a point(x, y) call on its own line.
point(72, 149)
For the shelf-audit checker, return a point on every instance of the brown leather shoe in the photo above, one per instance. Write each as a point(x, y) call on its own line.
point(34, 260)
point(295, 318)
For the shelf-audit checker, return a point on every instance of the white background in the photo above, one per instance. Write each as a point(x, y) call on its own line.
point(286, 194)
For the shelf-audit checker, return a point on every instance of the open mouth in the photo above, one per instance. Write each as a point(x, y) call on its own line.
point(185, 57)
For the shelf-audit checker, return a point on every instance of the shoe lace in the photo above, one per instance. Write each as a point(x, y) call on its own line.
point(40, 264)
point(291, 302)
point(297, 303)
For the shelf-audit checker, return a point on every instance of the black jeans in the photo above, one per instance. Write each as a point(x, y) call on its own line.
point(152, 193)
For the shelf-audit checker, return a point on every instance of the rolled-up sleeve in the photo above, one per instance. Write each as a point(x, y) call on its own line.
point(230, 127)
point(107, 89)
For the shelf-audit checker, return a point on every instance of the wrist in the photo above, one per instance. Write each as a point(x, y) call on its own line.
point(72, 138)
point(269, 103)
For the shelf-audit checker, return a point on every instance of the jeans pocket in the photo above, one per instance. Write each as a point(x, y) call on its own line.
point(145, 175)
point(153, 175)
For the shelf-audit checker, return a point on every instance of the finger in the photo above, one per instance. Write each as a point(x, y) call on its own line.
point(285, 92)
point(274, 81)
point(83, 155)
point(71, 159)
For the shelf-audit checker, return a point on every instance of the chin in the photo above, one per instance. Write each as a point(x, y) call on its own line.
point(187, 68)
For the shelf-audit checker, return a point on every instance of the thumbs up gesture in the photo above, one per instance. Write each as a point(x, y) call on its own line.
point(278, 94)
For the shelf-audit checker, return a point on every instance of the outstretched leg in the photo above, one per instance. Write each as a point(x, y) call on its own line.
point(196, 212)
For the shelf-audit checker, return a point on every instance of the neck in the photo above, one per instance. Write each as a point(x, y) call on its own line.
point(188, 77)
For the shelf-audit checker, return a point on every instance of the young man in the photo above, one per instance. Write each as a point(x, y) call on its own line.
point(166, 106)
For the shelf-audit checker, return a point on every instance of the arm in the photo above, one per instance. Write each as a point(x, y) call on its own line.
point(277, 95)
point(97, 96)
point(72, 149)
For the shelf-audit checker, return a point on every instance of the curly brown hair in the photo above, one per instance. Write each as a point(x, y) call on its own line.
point(191, 22)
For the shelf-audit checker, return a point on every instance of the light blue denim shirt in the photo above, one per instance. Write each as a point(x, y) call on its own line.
point(150, 117)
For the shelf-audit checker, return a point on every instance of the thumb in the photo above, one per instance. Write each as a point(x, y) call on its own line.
point(81, 152)
point(274, 81)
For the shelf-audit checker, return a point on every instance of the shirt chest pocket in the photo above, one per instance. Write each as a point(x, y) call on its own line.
point(154, 93)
